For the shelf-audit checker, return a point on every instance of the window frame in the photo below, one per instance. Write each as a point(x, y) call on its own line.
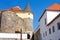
point(49, 30)
point(45, 21)
point(58, 24)
point(53, 29)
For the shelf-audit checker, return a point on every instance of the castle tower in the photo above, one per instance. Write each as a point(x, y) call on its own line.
point(27, 17)
point(29, 20)
point(27, 8)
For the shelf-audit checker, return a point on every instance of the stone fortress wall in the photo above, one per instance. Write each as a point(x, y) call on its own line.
point(10, 22)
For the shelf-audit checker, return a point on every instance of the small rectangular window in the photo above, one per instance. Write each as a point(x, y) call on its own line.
point(45, 20)
point(43, 35)
point(46, 33)
point(49, 31)
point(53, 29)
point(58, 24)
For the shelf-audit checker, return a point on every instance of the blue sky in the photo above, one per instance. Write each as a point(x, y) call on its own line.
point(37, 6)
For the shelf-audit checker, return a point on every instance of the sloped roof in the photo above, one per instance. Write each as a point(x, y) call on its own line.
point(54, 7)
point(17, 8)
point(14, 9)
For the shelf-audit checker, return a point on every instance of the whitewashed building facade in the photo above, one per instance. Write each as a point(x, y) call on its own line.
point(50, 23)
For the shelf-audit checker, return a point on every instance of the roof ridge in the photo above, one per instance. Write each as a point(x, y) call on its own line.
point(17, 8)
point(55, 6)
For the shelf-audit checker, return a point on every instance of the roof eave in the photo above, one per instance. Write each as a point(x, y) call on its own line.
point(42, 15)
point(47, 10)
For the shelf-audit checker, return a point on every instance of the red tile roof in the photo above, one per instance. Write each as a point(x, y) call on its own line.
point(54, 7)
point(15, 8)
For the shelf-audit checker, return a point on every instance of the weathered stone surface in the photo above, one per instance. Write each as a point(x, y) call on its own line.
point(28, 24)
point(20, 24)
point(8, 22)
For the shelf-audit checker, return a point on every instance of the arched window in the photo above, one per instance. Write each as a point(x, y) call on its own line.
point(28, 36)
